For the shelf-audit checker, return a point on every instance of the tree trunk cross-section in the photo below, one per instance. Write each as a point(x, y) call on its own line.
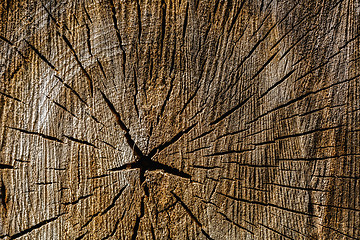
point(184, 119)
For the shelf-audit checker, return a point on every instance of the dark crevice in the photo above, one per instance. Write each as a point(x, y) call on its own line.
point(234, 223)
point(6, 40)
point(139, 18)
point(62, 107)
point(90, 81)
point(80, 141)
point(197, 4)
point(136, 93)
point(90, 220)
point(167, 98)
point(320, 109)
point(301, 97)
point(40, 55)
point(146, 164)
point(299, 40)
point(101, 68)
point(95, 119)
point(188, 211)
point(264, 65)
point(113, 231)
point(163, 25)
point(138, 219)
point(307, 132)
point(198, 149)
point(235, 18)
point(197, 113)
point(277, 83)
point(12, 75)
point(6, 166)
point(226, 114)
point(202, 135)
point(115, 22)
point(76, 19)
point(112, 146)
point(171, 141)
point(37, 134)
point(152, 230)
point(88, 39)
point(8, 96)
point(53, 18)
point(71, 89)
point(185, 21)
point(264, 37)
point(261, 24)
point(232, 133)
point(36, 226)
point(136, 150)
point(13, 46)
point(317, 67)
point(168, 207)
point(228, 152)
point(114, 200)
point(23, 161)
point(78, 200)
point(100, 176)
point(206, 234)
point(191, 215)
point(206, 167)
point(87, 14)
point(81, 236)
point(306, 16)
point(3, 196)
point(216, 7)
point(189, 100)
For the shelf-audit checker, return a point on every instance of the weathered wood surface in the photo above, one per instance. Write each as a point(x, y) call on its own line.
point(179, 119)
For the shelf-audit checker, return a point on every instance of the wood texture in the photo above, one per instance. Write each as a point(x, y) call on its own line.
point(187, 119)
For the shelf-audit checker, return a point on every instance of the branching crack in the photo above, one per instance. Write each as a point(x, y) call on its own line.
point(144, 162)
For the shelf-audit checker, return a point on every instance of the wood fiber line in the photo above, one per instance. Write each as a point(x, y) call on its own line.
point(179, 119)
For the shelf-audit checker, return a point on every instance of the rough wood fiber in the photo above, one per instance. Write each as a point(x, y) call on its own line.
point(179, 119)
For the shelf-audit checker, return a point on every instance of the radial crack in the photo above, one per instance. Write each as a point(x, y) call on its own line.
point(136, 150)
point(171, 141)
point(191, 215)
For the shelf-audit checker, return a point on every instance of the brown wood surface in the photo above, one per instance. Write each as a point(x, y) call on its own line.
point(192, 119)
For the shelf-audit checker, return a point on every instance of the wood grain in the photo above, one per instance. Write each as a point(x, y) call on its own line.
point(177, 119)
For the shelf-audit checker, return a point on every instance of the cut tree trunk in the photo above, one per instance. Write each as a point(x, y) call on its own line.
point(177, 119)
